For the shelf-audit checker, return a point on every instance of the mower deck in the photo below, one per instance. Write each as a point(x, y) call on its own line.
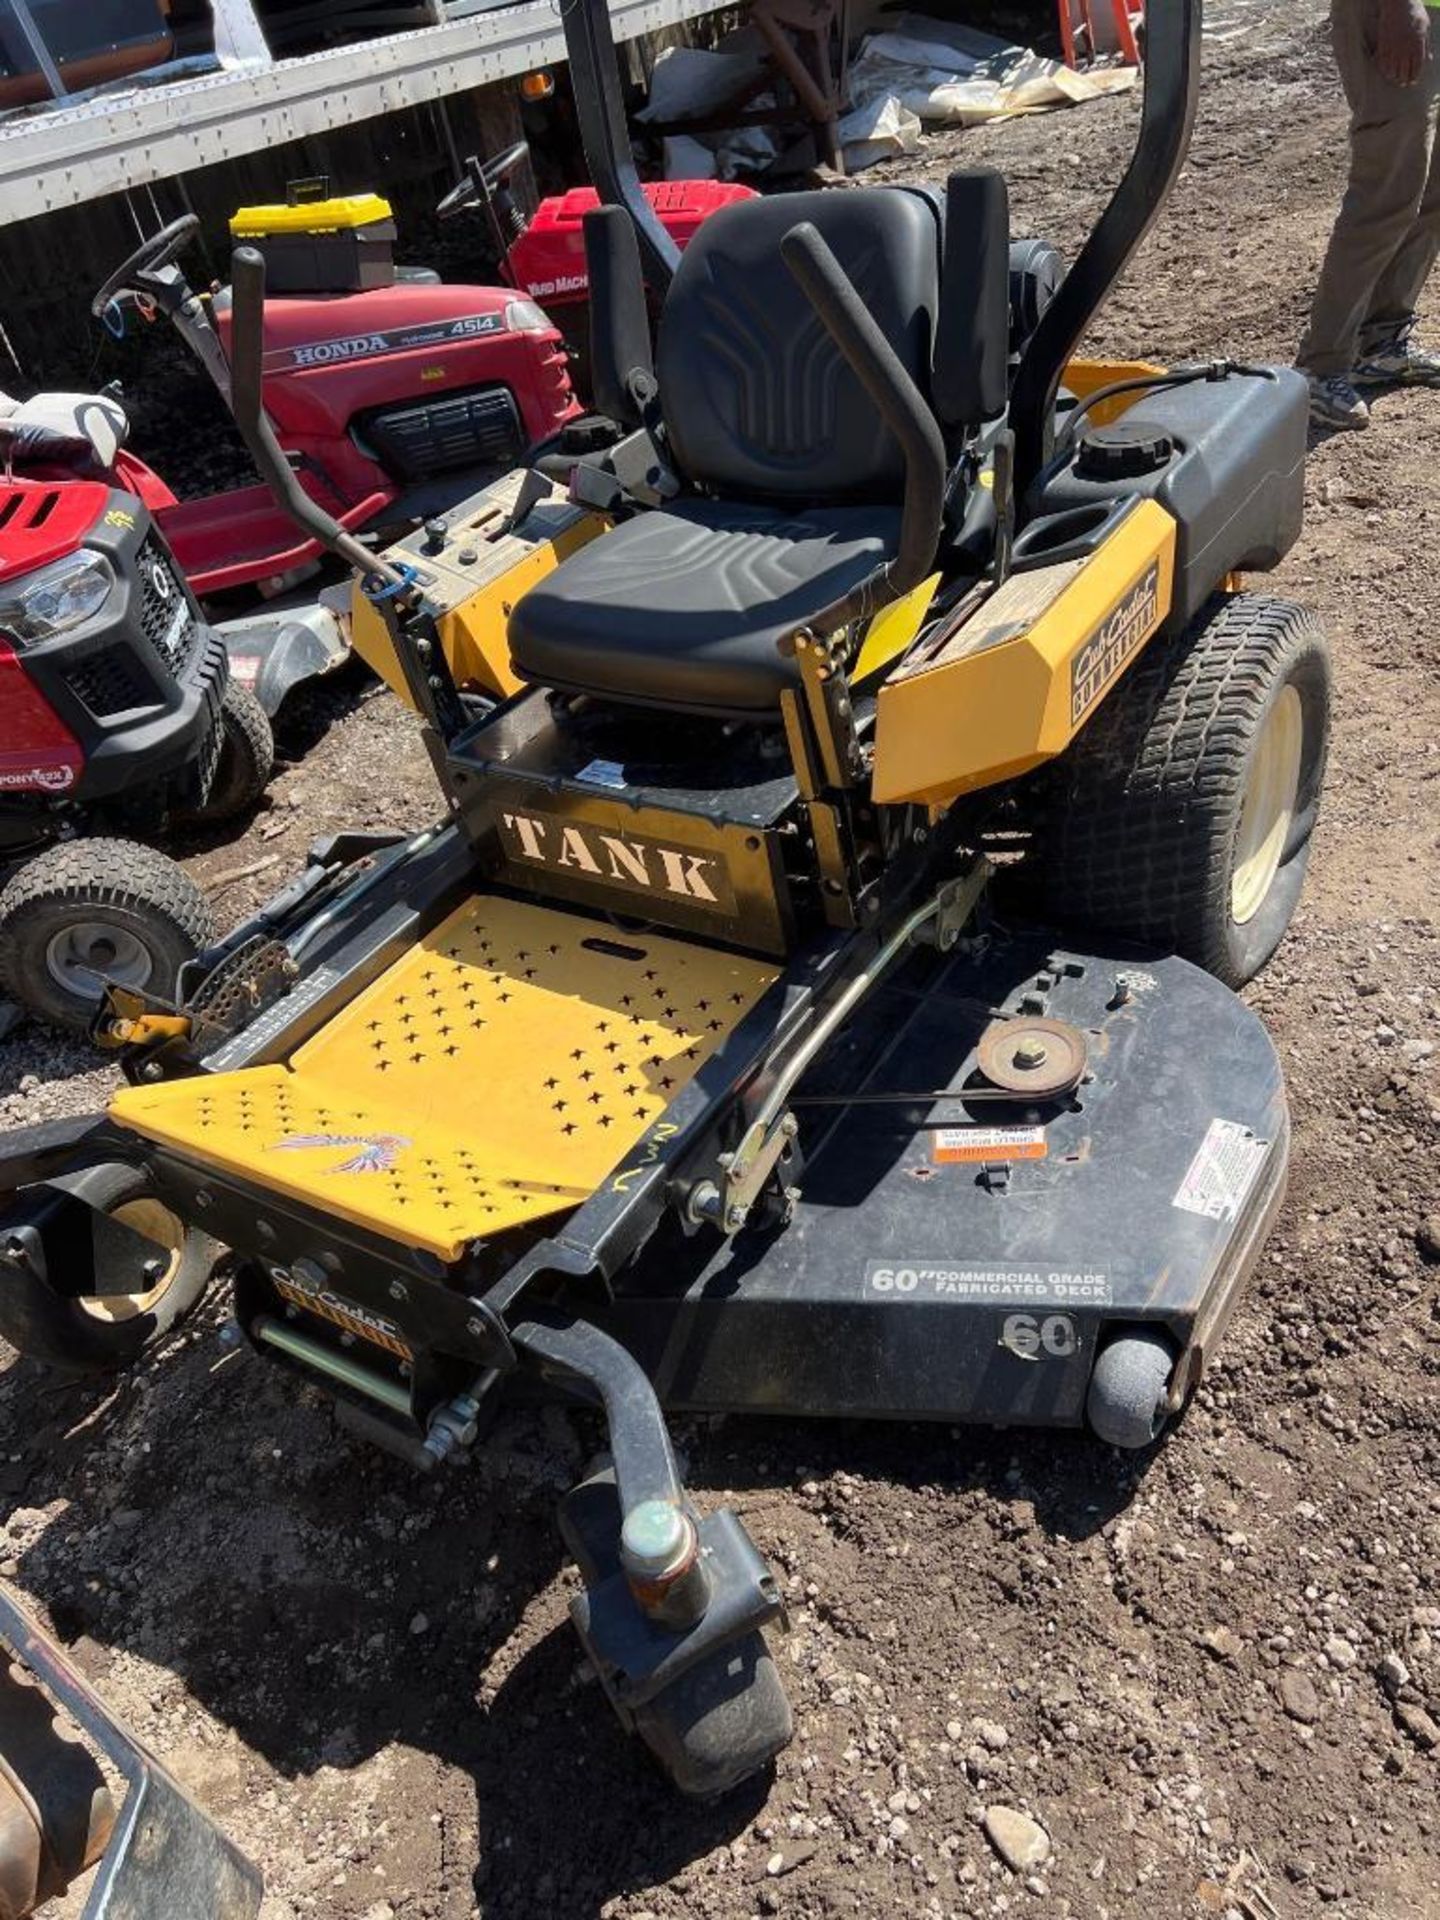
point(512, 1044)
point(964, 1261)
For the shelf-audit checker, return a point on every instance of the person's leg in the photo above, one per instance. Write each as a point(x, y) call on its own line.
point(1388, 353)
point(1389, 170)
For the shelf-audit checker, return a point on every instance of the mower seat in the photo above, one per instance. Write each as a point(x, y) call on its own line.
point(794, 482)
point(80, 430)
point(686, 606)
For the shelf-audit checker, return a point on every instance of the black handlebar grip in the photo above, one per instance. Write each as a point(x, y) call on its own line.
point(971, 380)
point(247, 337)
point(881, 372)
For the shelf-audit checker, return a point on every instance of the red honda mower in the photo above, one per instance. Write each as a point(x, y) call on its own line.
point(393, 395)
point(117, 716)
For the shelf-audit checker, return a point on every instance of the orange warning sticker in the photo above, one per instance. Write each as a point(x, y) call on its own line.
point(988, 1144)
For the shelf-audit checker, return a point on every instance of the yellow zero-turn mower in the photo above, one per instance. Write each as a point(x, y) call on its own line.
point(696, 1058)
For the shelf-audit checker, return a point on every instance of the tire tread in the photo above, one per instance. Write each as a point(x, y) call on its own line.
point(1133, 844)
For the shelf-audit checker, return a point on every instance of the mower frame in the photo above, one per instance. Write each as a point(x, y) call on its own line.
point(165, 1856)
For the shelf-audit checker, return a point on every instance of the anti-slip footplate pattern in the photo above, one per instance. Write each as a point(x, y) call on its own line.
point(492, 1076)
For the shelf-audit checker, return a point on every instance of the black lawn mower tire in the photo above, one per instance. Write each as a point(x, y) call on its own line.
point(246, 759)
point(105, 1336)
point(1181, 817)
point(88, 909)
point(720, 1721)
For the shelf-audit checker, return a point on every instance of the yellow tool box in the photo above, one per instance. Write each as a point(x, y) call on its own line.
point(315, 243)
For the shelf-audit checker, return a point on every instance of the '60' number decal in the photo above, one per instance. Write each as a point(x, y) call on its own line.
point(894, 1279)
point(1033, 1336)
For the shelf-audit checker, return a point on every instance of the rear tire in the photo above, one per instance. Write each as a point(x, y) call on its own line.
point(246, 760)
point(92, 909)
point(1182, 815)
point(101, 1334)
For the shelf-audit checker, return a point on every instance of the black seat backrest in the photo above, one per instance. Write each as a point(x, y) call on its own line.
point(758, 402)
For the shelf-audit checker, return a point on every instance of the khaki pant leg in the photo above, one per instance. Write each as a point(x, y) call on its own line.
point(1379, 224)
point(1397, 294)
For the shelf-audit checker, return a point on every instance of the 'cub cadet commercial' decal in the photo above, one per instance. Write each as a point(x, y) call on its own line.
point(313, 1297)
point(362, 346)
point(635, 866)
point(1105, 652)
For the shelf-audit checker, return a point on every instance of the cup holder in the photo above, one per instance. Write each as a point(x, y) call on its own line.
point(1071, 534)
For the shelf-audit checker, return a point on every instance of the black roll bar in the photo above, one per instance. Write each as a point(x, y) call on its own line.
point(605, 132)
point(1172, 88)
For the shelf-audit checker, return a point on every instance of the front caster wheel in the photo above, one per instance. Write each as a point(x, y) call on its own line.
point(720, 1721)
point(1126, 1404)
point(706, 1699)
point(104, 1333)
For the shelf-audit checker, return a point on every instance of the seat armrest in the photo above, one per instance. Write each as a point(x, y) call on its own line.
point(619, 320)
point(882, 374)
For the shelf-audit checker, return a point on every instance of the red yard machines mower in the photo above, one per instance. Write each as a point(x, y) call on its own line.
point(543, 254)
point(699, 1056)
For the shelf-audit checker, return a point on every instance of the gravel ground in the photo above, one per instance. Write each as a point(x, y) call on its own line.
point(1203, 1682)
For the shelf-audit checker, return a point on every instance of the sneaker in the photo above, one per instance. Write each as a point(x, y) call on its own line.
point(1398, 362)
point(1335, 403)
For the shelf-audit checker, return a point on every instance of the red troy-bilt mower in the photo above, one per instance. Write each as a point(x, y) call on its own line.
point(116, 715)
point(393, 395)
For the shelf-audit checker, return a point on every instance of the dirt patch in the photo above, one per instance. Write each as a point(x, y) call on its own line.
point(1211, 1676)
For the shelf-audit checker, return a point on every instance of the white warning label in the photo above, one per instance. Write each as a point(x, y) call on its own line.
point(989, 1144)
point(1222, 1172)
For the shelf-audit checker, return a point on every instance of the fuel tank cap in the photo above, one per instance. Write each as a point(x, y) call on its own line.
point(1125, 450)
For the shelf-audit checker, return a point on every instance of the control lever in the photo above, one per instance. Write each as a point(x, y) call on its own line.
point(882, 373)
point(534, 488)
point(247, 344)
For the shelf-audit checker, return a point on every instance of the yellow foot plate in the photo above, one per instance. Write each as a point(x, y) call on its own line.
point(495, 1074)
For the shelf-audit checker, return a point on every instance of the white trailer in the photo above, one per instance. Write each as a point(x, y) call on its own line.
point(71, 152)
